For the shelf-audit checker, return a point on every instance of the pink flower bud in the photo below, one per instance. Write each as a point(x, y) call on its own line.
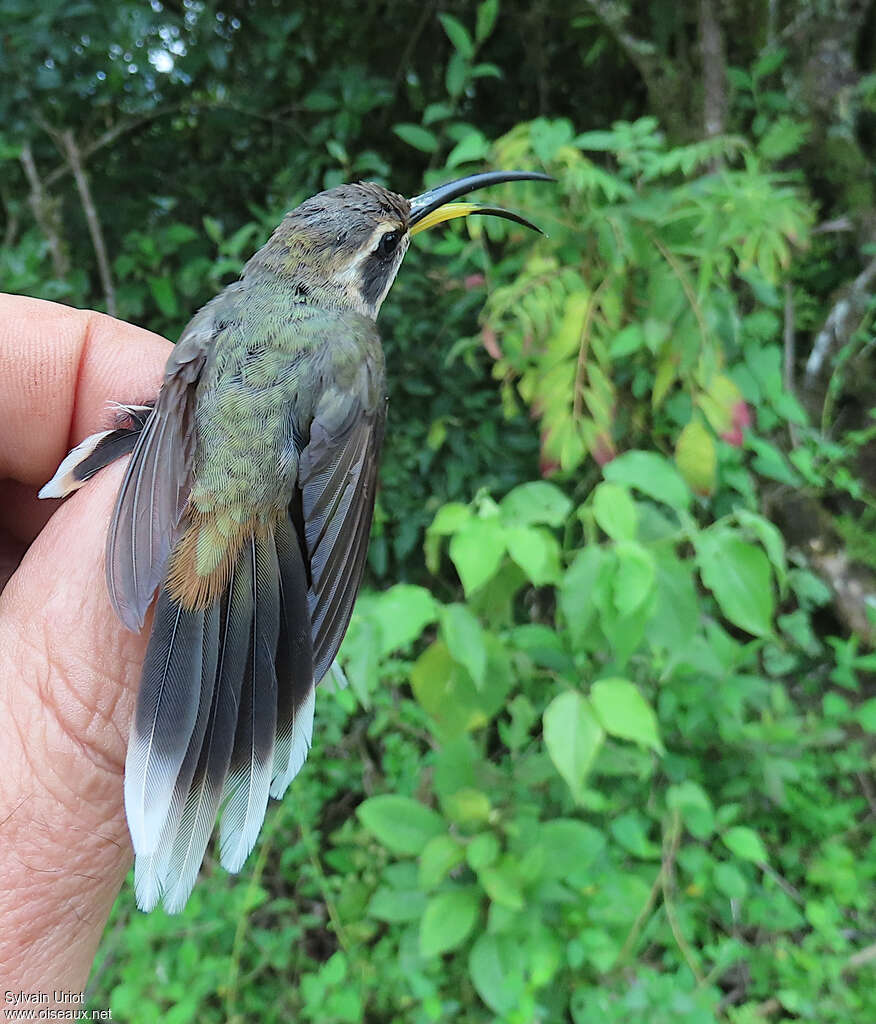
point(547, 464)
point(741, 415)
point(741, 418)
point(602, 450)
point(490, 342)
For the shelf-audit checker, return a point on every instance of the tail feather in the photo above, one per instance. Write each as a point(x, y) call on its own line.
point(167, 711)
point(249, 779)
point(294, 663)
point(189, 844)
point(150, 870)
point(226, 704)
point(96, 451)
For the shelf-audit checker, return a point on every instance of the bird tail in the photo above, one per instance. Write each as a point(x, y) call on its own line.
point(224, 717)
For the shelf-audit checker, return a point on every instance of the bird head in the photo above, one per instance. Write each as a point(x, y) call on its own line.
point(346, 245)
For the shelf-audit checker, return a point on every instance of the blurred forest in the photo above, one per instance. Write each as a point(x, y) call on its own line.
point(607, 750)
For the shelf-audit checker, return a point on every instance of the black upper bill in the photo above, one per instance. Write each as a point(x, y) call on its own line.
point(429, 201)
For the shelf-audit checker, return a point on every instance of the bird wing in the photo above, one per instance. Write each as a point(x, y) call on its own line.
point(155, 488)
point(337, 478)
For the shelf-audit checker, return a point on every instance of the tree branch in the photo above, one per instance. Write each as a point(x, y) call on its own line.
point(46, 211)
point(807, 525)
point(840, 325)
point(106, 138)
point(663, 80)
point(74, 158)
point(714, 71)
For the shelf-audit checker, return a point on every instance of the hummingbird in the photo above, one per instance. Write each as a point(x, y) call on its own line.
point(247, 505)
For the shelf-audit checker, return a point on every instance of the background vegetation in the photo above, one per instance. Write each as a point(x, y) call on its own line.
point(607, 749)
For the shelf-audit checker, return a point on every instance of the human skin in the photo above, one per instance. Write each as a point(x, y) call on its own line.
point(69, 670)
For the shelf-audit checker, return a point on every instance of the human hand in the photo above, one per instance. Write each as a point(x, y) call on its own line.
point(69, 670)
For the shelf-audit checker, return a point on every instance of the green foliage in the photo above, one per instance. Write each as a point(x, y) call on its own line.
point(553, 804)
point(602, 753)
point(649, 306)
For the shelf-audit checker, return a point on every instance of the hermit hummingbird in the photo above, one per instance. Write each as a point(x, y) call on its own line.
point(247, 505)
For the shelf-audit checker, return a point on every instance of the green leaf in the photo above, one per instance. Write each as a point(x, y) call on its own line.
point(692, 801)
point(164, 295)
point(467, 806)
point(536, 552)
point(403, 825)
point(866, 715)
point(577, 593)
point(417, 136)
point(571, 847)
point(361, 654)
point(477, 551)
point(615, 511)
point(178, 234)
point(624, 633)
point(626, 342)
point(448, 919)
point(456, 75)
point(745, 843)
point(770, 462)
point(439, 857)
point(444, 688)
point(458, 35)
point(600, 141)
point(667, 371)
point(502, 884)
point(320, 102)
point(535, 502)
point(675, 619)
point(634, 577)
point(396, 905)
point(488, 11)
point(486, 69)
point(213, 228)
point(696, 457)
point(769, 536)
point(402, 613)
point(631, 831)
point(496, 965)
point(783, 137)
point(738, 574)
point(482, 851)
point(651, 474)
point(450, 518)
point(474, 146)
point(464, 636)
point(549, 136)
point(573, 737)
point(768, 62)
point(623, 712)
point(730, 881)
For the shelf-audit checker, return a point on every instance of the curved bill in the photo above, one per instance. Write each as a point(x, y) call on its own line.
point(436, 206)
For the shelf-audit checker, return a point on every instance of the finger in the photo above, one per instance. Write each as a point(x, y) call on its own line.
point(22, 513)
point(57, 604)
point(59, 367)
point(11, 553)
point(69, 674)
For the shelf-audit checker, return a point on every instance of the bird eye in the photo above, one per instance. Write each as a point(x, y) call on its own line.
point(388, 243)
